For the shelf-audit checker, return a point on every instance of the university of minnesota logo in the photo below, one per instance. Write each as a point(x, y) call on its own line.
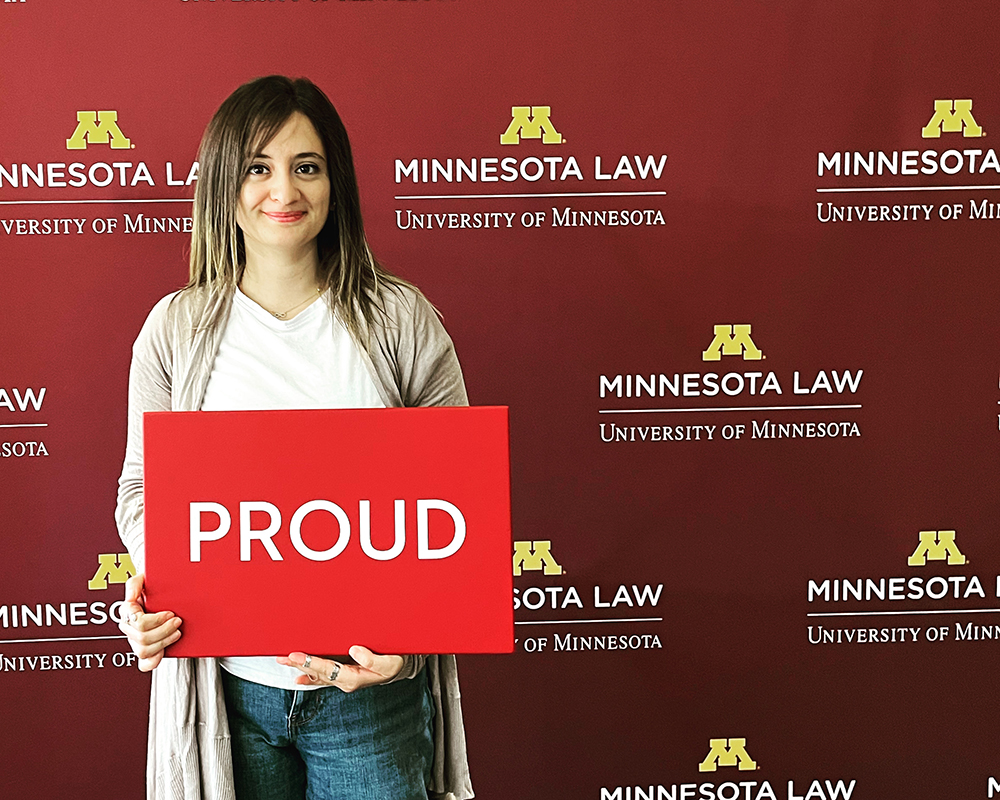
point(732, 340)
point(530, 122)
point(97, 127)
point(111, 568)
point(952, 116)
point(727, 753)
point(533, 556)
point(936, 546)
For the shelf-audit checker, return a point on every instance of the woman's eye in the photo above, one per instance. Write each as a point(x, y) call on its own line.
point(308, 169)
point(257, 169)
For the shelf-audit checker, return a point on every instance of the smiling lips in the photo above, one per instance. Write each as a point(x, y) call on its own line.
point(284, 216)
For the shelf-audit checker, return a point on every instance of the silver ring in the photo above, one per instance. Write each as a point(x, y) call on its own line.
point(307, 662)
point(334, 672)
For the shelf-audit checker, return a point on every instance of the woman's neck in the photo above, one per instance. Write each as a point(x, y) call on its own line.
point(284, 287)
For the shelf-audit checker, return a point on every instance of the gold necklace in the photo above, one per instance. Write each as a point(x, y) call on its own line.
point(284, 314)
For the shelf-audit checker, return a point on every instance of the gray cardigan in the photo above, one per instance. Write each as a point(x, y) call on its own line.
point(412, 362)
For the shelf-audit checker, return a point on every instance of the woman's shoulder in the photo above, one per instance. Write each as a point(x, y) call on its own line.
point(177, 303)
point(404, 305)
point(178, 314)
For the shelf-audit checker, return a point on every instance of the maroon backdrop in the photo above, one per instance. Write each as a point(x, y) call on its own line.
point(693, 582)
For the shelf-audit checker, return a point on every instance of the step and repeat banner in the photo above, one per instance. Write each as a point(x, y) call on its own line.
point(731, 265)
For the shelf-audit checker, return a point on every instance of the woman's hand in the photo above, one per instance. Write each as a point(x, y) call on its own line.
point(148, 634)
point(371, 669)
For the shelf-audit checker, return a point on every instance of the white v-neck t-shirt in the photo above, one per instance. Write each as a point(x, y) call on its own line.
point(309, 361)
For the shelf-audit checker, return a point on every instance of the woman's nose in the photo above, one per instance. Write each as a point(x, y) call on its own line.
point(283, 188)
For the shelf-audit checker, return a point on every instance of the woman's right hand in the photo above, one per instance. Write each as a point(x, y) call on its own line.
point(148, 634)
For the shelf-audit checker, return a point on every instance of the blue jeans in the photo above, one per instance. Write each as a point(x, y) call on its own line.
point(323, 744)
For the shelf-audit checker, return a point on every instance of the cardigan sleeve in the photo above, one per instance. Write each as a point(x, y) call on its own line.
point(149, 389)
point(417, 352)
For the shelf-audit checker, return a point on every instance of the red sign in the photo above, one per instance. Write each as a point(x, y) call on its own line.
point(274, 531)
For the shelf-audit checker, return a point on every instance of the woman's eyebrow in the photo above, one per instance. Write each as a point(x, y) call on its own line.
point(265, 156)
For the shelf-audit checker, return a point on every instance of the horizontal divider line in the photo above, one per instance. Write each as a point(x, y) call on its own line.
point(906, 189)
point(81, 202)
point(588, 621)
point(733, 408)
point(60, 639)
point(540, 194)
point(904, 613)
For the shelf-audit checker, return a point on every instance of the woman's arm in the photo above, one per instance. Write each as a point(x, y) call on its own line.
point(149, 389)
point(413, 355)
point(150, 381)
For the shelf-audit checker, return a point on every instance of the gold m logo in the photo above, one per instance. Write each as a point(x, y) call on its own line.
point(113, 569)
point(732, 340)
point(534, 556)
point(97, 127)
point(936, 546)
point(952, 116)
point(727, 753)
point(530, 122)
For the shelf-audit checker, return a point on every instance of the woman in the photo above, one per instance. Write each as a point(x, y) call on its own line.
point(287, 308)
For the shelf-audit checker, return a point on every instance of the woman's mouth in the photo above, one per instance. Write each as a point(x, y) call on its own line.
point(284, 216)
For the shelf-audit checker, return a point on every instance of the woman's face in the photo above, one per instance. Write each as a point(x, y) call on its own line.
point(285, 197)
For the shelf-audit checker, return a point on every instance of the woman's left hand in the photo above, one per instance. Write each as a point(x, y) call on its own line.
point(371, 669)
